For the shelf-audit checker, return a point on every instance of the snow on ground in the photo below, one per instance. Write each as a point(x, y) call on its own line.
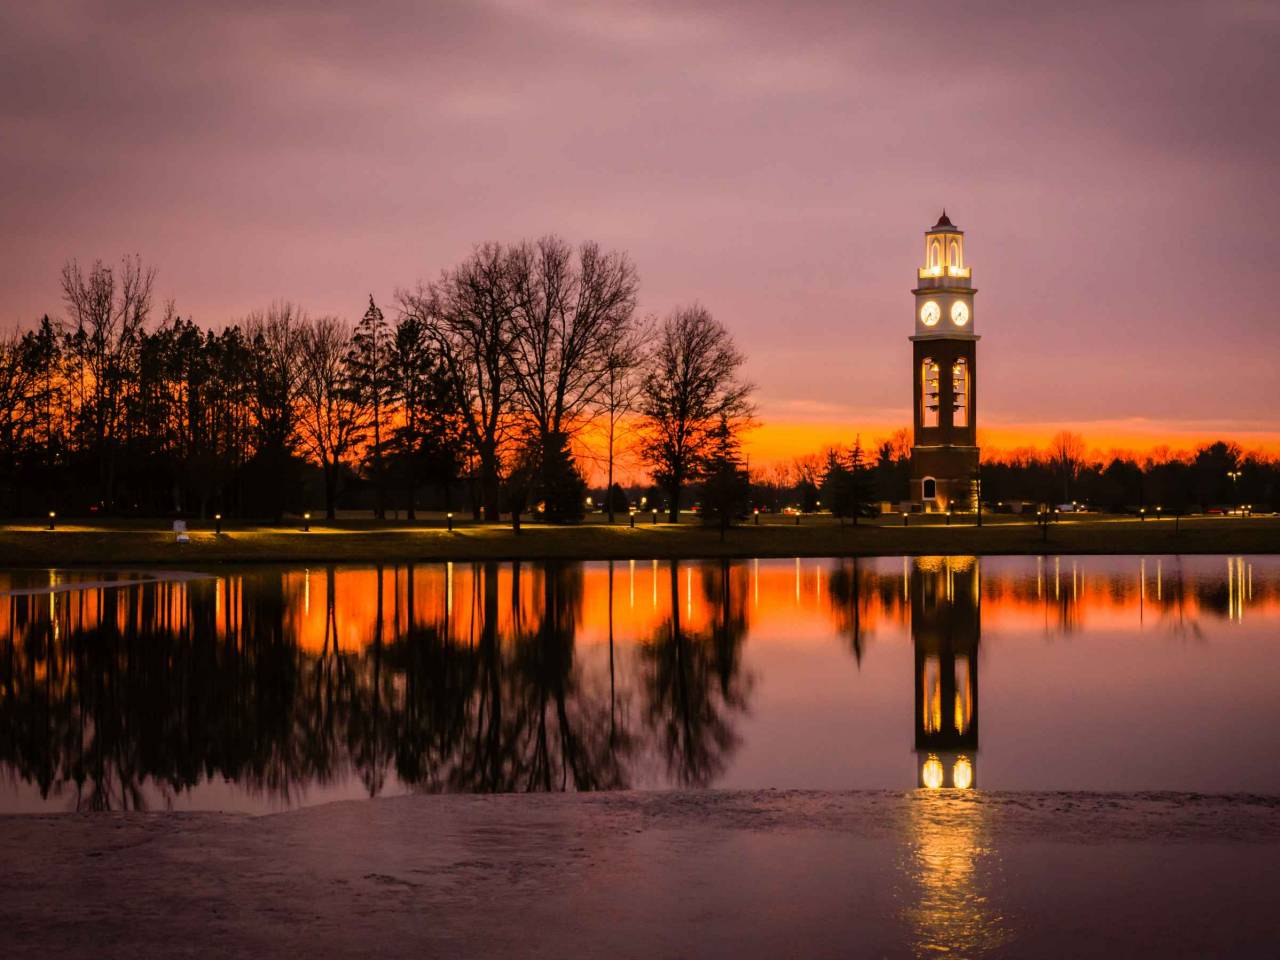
point(679, 874)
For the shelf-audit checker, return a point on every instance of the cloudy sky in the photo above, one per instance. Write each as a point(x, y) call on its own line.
point(1114, 165)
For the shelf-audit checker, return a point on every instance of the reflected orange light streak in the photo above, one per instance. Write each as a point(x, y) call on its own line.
point(801, 601)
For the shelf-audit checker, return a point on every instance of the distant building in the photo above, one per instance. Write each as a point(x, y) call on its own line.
point(944, 452)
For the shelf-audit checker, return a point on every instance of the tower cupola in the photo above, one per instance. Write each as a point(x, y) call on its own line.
point(944, 264)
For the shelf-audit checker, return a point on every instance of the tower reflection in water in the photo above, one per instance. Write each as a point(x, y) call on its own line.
point(270, 687)
point(946, 603)
point(950, 864)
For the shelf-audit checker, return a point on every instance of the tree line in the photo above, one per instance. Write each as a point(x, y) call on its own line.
point(96, 717)
point(854, 481)
point(475, 393)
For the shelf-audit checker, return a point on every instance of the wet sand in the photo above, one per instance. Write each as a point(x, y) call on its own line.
point(681, 874)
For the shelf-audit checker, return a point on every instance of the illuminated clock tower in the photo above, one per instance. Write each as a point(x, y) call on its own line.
point(946, 624)
point(944, 452)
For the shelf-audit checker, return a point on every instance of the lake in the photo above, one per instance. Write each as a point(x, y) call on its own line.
point(259, 689)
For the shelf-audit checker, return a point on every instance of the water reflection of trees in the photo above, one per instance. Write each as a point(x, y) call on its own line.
point(531, 722)
point(137, 704)
point(693, 678)
point(110, 698)
point(855, 590)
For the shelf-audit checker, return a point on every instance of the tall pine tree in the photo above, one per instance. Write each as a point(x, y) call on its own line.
point(726, 489)
point(368, 363)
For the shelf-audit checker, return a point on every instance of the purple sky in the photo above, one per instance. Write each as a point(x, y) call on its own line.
point(1114, 165)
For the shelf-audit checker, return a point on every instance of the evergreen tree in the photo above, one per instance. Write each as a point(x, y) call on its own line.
point(616, 500)
point(848, 487)
point(560, 485)
point(368, 364)
point(428, 445)
point(726, 491)
point(837, 486)
point(863, 482)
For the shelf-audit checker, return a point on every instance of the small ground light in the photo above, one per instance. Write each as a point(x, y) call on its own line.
point(306, 522)
point(52, 518)
point(217, 523)
point(449, 519)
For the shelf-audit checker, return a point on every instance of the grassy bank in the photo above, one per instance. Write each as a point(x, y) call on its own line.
point(141, 542)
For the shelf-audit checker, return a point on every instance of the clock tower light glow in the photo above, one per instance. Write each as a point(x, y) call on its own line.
point(944, 452)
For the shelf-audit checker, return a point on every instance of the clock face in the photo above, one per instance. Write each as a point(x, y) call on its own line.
point(959, 313)
point(930, 313)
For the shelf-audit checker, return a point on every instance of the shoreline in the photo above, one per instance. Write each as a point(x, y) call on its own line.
point(153, 544)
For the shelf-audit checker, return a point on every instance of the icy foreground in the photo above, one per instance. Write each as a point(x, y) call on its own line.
point(687, 874)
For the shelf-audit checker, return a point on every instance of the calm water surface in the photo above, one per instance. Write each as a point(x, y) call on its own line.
point(266, 688)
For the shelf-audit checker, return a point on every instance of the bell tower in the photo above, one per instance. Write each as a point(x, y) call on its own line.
point(946, 624)
point(944, 452)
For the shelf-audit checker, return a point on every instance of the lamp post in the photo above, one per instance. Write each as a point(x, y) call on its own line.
point(655, 516)
point(1235, 489)
point(217, 523)
point(306, 522)
point(977, 494)
point(448, 517)
point(950, 511)
point(52, 519)
point(757, 516)
point(633, 517)
point(904, 518)
point(1142, 513)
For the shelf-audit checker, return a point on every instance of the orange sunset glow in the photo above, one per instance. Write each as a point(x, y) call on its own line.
point(332, 611)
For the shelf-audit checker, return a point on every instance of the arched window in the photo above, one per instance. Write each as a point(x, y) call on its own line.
point(935, 255)
point(929, 398)
point(960, 393)
point(963, 714)
point(955, 254)
point(929, 489)
point(931, 695)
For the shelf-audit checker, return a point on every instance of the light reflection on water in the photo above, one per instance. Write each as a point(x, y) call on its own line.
point(270, 687)
point(951, 867)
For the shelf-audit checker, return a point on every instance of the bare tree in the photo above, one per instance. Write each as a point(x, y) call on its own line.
point(899, 443)
point(19, 380)
point(426, 444)
point(690, 386)
point(333, 415)
point(621, 386)
point(469, 315)
point(1066, 452)
point(108, 312)
point(567, 314)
